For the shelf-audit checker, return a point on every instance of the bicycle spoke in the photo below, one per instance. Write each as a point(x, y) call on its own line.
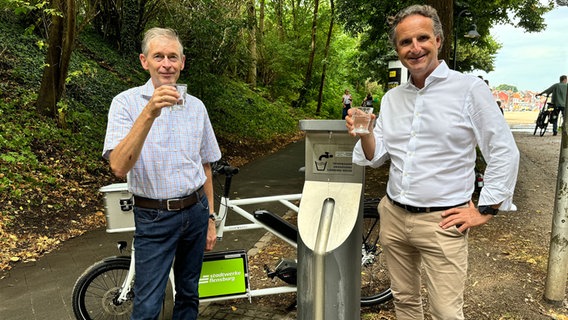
point(96, 292)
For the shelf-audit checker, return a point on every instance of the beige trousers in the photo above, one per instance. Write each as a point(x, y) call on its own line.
point(413, 242)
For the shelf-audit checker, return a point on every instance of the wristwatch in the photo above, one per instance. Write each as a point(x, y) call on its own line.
point(212, 217)
point(488, 210)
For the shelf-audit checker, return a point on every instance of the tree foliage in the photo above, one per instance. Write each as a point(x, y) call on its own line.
point(281, 47)
point(369, 17)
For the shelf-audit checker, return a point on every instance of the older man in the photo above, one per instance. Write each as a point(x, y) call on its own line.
point(166, 155)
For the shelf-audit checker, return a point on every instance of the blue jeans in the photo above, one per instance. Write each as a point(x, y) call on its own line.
point(344, 111)
point(559, 112)
point(160, 237)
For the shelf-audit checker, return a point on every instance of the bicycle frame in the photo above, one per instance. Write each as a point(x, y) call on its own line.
point(226, 205)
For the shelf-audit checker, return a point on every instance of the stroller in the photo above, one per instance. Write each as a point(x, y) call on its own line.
point(547, 114)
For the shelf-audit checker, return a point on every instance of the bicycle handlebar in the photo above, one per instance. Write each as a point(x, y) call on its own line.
point(224, 169)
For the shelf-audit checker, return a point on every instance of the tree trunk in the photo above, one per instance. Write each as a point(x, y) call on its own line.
point(445, 10)
point(251, 75)
point(129, 28)
point(261, 15)
point(309, 69)
point(280, 19)
point(60, 46)
point(326, 54)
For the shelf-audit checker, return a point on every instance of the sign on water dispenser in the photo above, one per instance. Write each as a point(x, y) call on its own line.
point(329, 150)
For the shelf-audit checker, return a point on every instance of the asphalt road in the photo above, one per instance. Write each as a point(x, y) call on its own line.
point(42, 290)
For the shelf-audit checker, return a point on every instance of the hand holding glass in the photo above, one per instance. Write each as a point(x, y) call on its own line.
point(182, 90)
point(361, 118)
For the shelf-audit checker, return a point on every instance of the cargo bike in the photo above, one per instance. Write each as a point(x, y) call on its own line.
point(105, 289)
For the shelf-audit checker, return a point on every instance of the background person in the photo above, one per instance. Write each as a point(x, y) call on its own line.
point(368, 101)
point(166, 156)
point(429, 128)
point(346, 100)
point(558, 99)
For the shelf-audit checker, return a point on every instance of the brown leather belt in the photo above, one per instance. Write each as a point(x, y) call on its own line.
point(174, 204)
point(421, 209)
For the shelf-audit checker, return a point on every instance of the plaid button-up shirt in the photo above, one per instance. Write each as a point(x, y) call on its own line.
point(170, 164)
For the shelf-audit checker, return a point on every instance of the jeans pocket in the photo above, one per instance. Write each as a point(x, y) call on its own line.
point(203, 202)
point(142, 215)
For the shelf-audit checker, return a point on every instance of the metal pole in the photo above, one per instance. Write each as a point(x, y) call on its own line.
point(456, 30)
point(555, 285)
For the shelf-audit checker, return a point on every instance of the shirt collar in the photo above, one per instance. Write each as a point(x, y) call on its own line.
point(147, 90)
point(441, 72)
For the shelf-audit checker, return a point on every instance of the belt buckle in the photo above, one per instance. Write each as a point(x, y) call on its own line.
point(168, 204)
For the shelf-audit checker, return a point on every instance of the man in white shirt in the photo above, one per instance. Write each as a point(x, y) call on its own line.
point(429, 129)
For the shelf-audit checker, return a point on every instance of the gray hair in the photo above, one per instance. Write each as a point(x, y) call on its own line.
point(423, 10)
point(154, 33)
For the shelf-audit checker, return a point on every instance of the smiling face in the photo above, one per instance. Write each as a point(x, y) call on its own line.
point(163, 60)
point(417, 47)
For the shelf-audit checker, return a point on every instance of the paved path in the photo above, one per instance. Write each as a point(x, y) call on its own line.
point(42, 290)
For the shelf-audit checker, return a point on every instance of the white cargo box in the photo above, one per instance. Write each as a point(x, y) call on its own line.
point(118, 208)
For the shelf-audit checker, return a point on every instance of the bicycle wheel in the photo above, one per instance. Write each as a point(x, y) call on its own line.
point(539, 122)
point(375, 283)
point(96, 290)
point(535, 129)
point(543, 129)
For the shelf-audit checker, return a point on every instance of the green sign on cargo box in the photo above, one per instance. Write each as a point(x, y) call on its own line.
point(222, 277)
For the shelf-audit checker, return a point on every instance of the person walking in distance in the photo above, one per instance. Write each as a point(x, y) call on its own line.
point(558, 92)
point(346, 100)
point(429, 128)
point(368, 101)
point(166, 156)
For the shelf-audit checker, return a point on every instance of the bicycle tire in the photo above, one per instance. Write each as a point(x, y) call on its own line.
point(375, 282)
point(543, 129)
point(95, 291)
point(541, 121)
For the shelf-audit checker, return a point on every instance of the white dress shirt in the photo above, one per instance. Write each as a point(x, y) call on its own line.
point(430, 136)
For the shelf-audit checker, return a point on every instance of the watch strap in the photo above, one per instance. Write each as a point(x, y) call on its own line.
point(488, 210)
